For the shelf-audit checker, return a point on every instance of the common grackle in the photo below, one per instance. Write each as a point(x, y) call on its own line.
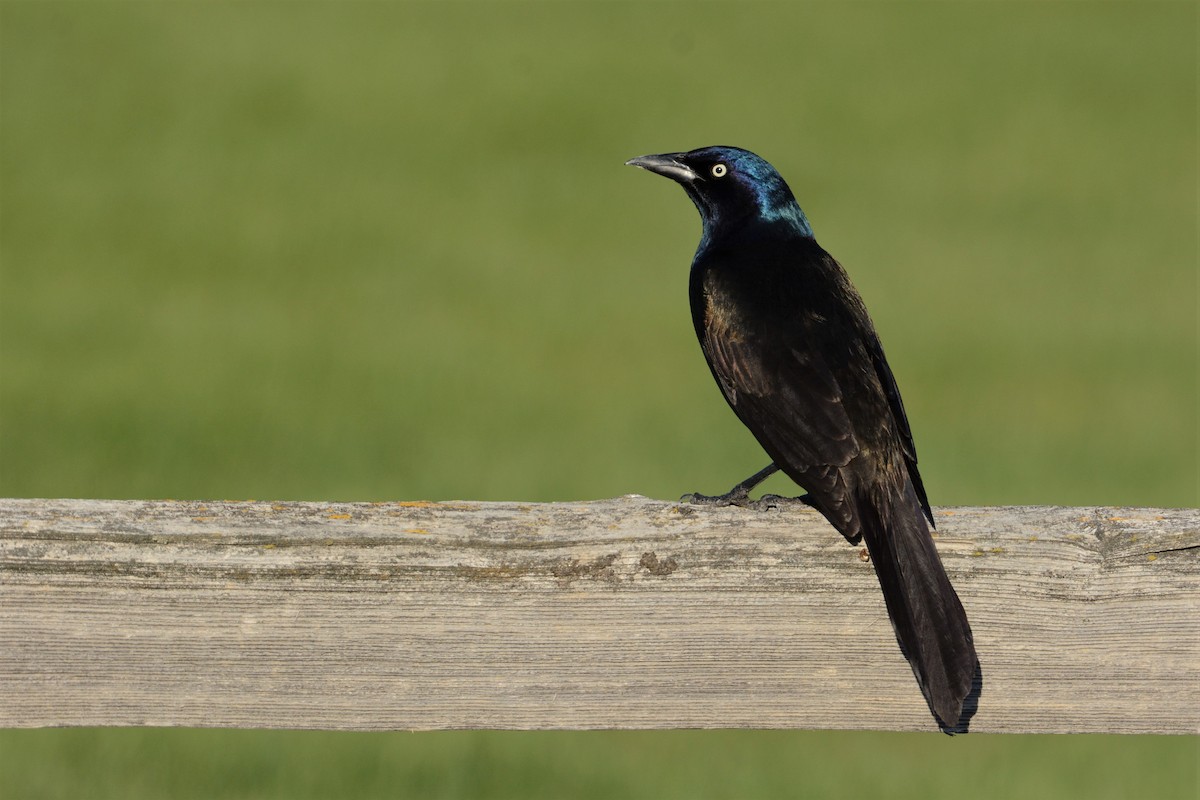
point(790, 343)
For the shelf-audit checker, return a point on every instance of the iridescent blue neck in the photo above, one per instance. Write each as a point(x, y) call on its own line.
point(769, 208)
point(789, 214)
point(777, 204)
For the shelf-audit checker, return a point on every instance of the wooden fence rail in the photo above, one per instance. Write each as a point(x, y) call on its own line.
point(626, 613)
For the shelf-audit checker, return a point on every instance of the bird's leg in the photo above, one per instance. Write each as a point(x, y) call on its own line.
point(737, 496)
point(740, 495)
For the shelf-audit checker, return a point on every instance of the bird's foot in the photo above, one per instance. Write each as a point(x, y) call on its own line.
point(730, 498)
point(741, 499)
point(737, 496)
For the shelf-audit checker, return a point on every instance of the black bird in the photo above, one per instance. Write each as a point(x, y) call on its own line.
point(790, 343)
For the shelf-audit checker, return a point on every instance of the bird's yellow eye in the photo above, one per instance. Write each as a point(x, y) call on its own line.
point(719, 170)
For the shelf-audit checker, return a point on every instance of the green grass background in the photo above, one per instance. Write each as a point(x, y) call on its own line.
point(371, 251)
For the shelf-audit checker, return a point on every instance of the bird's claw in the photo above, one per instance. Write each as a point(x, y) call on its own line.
point(740, 499)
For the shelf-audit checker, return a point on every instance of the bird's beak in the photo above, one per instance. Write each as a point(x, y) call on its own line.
point(667, 164)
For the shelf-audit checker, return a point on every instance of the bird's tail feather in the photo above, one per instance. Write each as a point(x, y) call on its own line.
point(926, 614)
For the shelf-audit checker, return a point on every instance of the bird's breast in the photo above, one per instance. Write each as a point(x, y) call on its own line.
point(722, 318)
point(743, 303)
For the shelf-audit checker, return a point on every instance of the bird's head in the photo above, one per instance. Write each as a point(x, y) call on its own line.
point(730, 187)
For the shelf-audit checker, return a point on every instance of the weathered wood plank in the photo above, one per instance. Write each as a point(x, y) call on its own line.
point(627, 613)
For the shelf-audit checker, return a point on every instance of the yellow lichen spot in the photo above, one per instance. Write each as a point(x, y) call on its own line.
point(414, 504)
point(1033, 538)
point(277, 507)
point(203, 519)
point(1117, 519)
point(997, 551)
point(946, 513)
point(268, 547)
point(339, 516)
point(415, 530)
point(1152, 557)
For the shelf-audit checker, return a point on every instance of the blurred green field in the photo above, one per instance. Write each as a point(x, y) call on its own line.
point(369, 251)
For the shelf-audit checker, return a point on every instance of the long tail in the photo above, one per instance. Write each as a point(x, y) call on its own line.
point(926, 614)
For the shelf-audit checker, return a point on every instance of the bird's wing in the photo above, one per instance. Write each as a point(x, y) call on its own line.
point(791, 394)
point(793, 403)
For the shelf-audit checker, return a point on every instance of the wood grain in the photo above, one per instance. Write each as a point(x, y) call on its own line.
point(625, 613)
